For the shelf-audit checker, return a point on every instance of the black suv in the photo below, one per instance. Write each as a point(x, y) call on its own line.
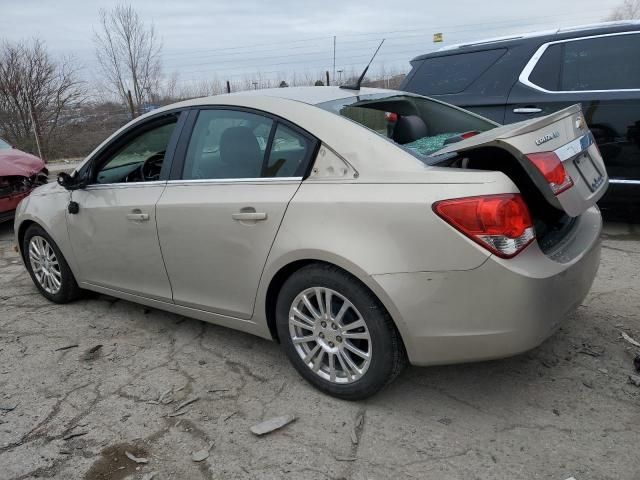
point(516, 78)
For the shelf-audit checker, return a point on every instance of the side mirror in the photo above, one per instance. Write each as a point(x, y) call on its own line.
point(69, 182)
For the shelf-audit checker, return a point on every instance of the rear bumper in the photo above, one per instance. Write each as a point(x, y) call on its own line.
point(502, 308)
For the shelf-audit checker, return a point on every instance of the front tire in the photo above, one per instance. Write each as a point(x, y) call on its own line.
point(337, 334)
point(47, 266)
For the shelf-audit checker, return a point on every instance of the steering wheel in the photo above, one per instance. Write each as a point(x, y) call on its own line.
point(148, 170)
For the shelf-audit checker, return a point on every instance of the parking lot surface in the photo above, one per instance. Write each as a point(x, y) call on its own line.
point(85, 383)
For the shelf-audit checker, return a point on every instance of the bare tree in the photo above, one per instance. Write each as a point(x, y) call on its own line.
point(627, 10)
point(129, 56)
point(36, 93)
point(168, 91)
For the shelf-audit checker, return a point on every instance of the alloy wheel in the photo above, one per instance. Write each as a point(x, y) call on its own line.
point(330, 335)
point(44, 264)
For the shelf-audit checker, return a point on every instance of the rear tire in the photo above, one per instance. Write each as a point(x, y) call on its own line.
point(47, 266)
point(337, 334)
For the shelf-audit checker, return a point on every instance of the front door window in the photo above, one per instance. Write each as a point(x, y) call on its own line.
point(141, 158)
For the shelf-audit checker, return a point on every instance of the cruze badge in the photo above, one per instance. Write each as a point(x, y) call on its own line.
point(547, 137)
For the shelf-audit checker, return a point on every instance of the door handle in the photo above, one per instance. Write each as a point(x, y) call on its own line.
point(249, 216)
point(138, 216)
point(527, 110)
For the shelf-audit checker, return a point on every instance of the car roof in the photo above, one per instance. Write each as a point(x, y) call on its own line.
point(309, 95)
point(536, 37)
point(299, 105)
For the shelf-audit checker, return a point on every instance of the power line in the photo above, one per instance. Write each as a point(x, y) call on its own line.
point(253, 47)
point(325, 59)
point(250, 62)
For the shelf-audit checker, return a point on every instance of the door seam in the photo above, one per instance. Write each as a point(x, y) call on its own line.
point(155, 218)
point(266, 259)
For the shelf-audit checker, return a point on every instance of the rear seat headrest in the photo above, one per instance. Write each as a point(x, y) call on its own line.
point(409, 129)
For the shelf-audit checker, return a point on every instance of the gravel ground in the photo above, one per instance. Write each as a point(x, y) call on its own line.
point(564, 409)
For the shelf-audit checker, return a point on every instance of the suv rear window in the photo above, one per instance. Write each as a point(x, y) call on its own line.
point(452, 73)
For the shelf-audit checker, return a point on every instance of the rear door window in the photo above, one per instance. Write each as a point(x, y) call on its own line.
point(453, 73)
point(232, 144)
point(227, 144)
point(288, 155)
point(546, 73)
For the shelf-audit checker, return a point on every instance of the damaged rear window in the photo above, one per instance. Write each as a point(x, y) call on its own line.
point(419, 125)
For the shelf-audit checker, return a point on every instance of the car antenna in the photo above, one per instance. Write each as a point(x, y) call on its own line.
point(356, 86)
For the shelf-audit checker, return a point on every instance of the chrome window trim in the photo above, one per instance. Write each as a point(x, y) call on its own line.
point(224, 181)
point(102, 186)
point(533, 61)
point(624, 181)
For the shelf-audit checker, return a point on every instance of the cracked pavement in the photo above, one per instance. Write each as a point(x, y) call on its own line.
point(564, 409)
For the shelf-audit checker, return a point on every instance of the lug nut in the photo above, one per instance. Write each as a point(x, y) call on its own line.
point(324, 324)
point(339, 338)
point(321, 335)
point(334, 326)
point(331, 344)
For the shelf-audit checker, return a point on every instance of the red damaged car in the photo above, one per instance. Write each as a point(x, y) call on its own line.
point(20, 173)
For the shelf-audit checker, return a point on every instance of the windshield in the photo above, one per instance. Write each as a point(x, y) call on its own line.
point(420, 125)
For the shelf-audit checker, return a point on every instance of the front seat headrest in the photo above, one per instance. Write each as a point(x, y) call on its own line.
point(409, 129)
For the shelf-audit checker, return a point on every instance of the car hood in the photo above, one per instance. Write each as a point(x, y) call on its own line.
point(15, 162)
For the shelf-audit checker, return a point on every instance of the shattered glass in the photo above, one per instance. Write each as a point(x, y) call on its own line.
point(428, 145)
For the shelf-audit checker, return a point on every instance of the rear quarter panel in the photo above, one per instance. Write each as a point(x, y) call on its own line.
point(381, 228)
point(369, 228)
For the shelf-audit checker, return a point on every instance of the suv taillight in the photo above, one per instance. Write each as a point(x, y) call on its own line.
point(552, 170)
point(500, 223)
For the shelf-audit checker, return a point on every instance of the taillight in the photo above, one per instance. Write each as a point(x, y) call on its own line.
point(552, 170)
point(500, 223)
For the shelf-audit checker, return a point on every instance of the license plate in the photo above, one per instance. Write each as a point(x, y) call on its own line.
point(589, 172)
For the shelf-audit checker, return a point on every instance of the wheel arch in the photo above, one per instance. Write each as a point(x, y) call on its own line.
point(287, 268)
point(57, 232)
point(22, 230)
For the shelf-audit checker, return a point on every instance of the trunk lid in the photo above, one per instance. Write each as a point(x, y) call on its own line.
point(563, 133)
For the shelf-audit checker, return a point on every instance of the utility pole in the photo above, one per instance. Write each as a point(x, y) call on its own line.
point(228, 87)
point(35, 130)
point(334, 61)
point(327, 72)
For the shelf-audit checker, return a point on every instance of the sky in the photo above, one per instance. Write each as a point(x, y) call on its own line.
point(227, 40)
